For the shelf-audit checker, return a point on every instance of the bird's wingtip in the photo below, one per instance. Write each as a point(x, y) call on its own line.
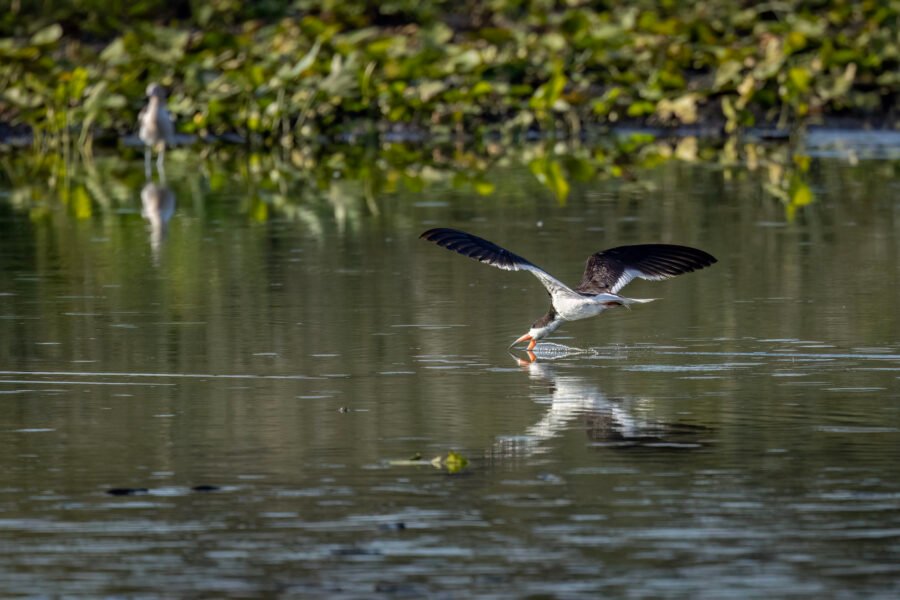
point(429, 234)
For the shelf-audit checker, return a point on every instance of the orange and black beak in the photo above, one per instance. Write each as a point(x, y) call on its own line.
point(526, 338)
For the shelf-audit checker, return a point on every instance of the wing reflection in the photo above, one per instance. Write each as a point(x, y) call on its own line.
point(578, 403)
point(157, 207)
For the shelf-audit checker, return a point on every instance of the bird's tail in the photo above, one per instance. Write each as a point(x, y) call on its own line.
point(617, 300)
point(627, 301)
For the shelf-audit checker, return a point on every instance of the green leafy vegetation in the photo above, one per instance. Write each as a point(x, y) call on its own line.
point(289, 73)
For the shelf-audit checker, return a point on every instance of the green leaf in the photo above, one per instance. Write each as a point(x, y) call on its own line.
point(94, 99)
point(115, 53)
point(641, 108)
point(429, 89)
point(465, 62)
point(48, 35)
point(547, 95)
point(455, 462)
point(341, 81)
point(77, 83)
point(481, 88)
point(18, 96)
point(731, 115)
point(727, 74)
point(800, 78)
point(604, 105)
point(306, 62)
point(114, 101)
point(683, 109)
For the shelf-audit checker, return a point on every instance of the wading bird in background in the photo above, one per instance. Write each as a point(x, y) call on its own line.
point(605, 273)
point(155, 128)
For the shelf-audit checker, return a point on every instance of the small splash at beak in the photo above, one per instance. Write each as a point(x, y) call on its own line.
point(526, 338)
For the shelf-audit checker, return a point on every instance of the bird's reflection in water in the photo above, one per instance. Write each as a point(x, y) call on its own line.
point(607, 422)
point(157, 207)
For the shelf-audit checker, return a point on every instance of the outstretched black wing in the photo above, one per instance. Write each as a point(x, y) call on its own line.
point(490, 253)
point(478, 248)
point(611, 270)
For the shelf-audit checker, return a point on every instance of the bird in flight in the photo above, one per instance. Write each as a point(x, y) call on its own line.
point(605, 273)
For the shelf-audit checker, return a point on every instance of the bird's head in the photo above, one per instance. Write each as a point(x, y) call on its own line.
point(541, 328)
point(156, 90)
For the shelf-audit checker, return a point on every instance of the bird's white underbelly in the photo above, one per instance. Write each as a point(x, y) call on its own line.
point(574, 308)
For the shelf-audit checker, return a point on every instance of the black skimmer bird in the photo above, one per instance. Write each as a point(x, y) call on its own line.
point(605, 273)
point(155, 127)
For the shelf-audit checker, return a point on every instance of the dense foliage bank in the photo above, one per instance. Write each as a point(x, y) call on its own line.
point(278, 72)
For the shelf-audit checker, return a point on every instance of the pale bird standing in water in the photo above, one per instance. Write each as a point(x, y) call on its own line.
point(155, 128)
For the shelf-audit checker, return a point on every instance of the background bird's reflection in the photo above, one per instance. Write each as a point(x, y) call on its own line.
point(157, 207)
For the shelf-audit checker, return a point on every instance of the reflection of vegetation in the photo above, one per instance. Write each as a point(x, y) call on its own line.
point(277, 72)
point(787, 182)
point(785, 173)
point(352, 181)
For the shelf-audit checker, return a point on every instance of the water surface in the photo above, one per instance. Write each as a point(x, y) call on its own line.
point(294, 348)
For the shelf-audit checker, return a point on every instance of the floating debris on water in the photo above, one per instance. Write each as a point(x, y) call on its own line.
point(415, 460)
point(205, 488)
point(453, 462)
point(124, 491)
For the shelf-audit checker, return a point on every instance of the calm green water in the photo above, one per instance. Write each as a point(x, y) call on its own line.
point(292, 342)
